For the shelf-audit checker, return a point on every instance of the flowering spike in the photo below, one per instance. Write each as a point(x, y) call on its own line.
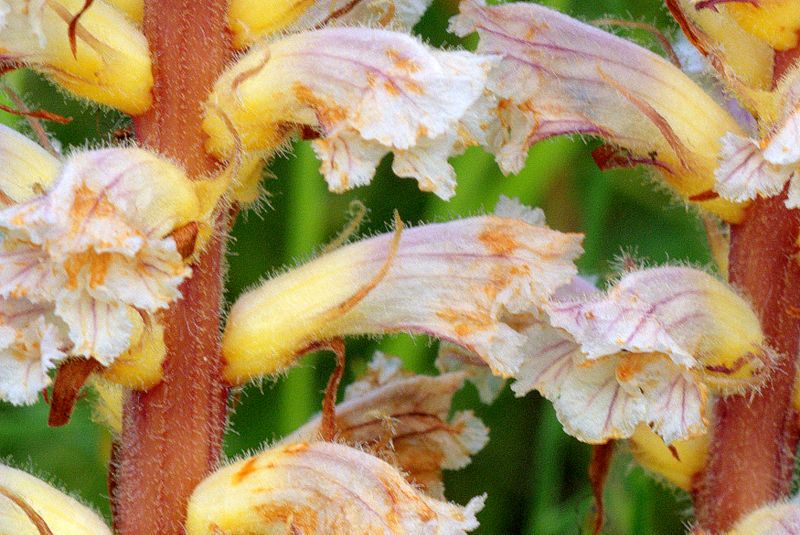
point(24, 498)
point(111, 63)
point(560, 76)
point(320, 487)
point(403, 419)
point(457, 281)
point(368, 92)
point(252, 20)
point(677, 463)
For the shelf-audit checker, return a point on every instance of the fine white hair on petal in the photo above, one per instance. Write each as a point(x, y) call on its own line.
point(403, 418)
point(320, 487)
point(682, 312)
point(461, 281)
point(605, 398)
point(510, 207)
point(744, 173)
point(31, 339)
point(781, 518)
point(560, 76)
point(97, 245)
point(367, 92)
point(249, 25)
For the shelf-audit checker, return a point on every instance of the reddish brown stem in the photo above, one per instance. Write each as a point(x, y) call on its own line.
point(755, 437)
point(172, 433)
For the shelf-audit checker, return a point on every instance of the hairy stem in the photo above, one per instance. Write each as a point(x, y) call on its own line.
point(755, 437)
point(172, 433)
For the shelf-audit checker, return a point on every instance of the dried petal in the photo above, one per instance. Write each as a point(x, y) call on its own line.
point(251, 20)
point(403, 419)
point(559, 76)
point(454, 358)
point(368, 92)
point(62, 514)
point(320, 488)
point(111, 64)
point(31, 342)
point(457, 281)
point(681, 312)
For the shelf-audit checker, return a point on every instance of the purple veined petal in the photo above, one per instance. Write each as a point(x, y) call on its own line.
point(320, 487)
point(31, 342)
point(366, 92)
point(744, 172)
point(681, 312)
point(404, 419)
point(459, 281)
point(251, 20)
point(560, 76)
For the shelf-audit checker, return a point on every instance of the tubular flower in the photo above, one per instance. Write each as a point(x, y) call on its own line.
point(366, 92)
point(560, 76)
point(249, 22)
point(403, 419)
point(111, 59)
point(320, 487)
point(29, 506)
point(459, 281)
point(88, 263)
point(644, 352)
point(775, 22)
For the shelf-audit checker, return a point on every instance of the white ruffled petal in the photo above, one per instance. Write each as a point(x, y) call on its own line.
point(98, 328)
point(744, 173)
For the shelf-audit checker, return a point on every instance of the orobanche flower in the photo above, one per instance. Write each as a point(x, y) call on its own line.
point(644, 352)
point(89, 257)
point(320, 487)
point(249, 22)
point(366, 92)
point(403, 418)
point(106, 59)
point(461, 281)
point(29, 506)
point(560, 76)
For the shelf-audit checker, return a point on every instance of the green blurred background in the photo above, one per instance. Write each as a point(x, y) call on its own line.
point(535, 475)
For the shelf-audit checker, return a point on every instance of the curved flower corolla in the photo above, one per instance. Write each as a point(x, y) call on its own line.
point(677, 463)
point(560, 76)
point(91, 260)
point(460, 281)
point(249, 21)
point(366, 92)
point(646, 351)
point(403, 418)
point(110, 63)
point(775, 22)
point(320, 487)
point(29, 506)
